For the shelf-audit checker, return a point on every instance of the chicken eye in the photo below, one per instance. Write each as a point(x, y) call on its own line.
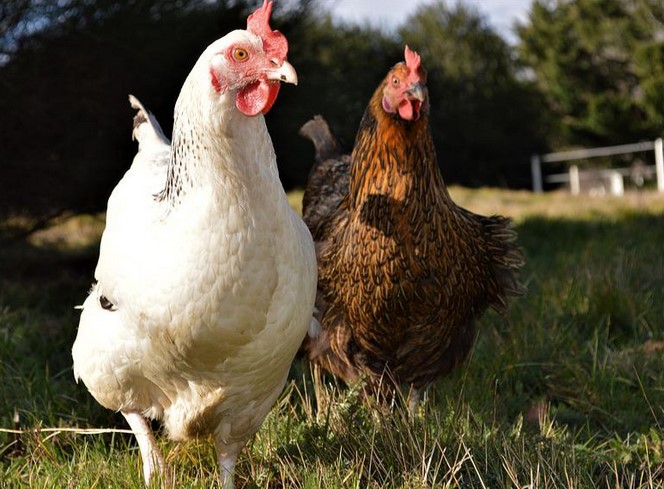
point(395, 82)
point(240, 54)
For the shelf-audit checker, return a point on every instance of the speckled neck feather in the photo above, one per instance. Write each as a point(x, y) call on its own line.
point(185, 149)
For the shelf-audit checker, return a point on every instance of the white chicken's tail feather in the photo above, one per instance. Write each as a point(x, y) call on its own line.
point(147, 130)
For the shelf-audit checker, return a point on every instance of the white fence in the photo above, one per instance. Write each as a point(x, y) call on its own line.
point(612, 175)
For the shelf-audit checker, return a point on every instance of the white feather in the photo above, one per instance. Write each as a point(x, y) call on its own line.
point(213, 291)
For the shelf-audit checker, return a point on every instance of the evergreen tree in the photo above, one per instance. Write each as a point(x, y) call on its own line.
point(600, 66)
point(486, 120)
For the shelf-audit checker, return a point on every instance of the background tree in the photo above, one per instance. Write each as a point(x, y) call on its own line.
point(599, 66)
point(650, 61)
point(66, 123)
point(486, 120)
point(339, 67)
point(595, 75)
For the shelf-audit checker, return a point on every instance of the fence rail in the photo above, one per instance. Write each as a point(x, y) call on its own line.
point(657, 146)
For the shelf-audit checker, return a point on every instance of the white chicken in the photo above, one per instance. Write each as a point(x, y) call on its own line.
point(206, 278)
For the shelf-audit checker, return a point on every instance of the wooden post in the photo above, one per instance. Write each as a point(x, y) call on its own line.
point(574, 180)
point(616, 184)
point(659, 163)
point(536, 172)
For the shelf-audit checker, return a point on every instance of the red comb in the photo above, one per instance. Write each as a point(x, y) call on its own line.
point(413, 62)
point(274, 42)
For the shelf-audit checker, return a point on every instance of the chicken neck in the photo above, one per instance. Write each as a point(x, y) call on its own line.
point(395, 160)
point(209, 146)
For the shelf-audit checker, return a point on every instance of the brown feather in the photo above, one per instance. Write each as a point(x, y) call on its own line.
point(328, 180)
point(403, 271)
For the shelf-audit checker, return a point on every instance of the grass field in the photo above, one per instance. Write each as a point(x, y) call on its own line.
point(566, 391)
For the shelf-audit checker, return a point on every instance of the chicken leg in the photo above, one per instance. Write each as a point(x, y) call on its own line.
point(227, 457)
point(152, 458)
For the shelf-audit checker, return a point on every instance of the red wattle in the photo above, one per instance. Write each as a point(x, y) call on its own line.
point(258, 97)
point(410, 110)
point(406, 110)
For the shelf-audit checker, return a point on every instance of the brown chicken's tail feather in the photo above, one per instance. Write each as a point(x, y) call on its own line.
point(318, 131)
point(328, 180)
point(506, 258)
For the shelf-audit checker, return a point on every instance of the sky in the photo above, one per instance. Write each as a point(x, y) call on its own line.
point(501, 14)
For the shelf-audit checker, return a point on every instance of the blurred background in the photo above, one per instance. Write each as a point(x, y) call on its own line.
point(566, 74)
point(568, 385)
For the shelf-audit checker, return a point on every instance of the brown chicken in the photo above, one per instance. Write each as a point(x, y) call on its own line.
point(403, 271)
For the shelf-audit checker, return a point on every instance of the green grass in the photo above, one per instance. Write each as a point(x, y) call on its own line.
point(565, 391)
